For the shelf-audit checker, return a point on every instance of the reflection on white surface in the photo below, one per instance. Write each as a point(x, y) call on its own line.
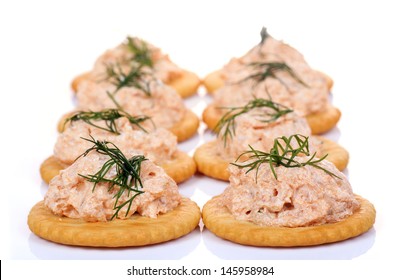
point(343, 250)
point(171, 250)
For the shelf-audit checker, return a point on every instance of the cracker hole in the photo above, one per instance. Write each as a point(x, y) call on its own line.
point(275, 192)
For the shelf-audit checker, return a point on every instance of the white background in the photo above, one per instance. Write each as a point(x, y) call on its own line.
point(44, 44)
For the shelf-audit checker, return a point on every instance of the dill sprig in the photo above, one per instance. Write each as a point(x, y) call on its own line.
point(270, 70)
point(134, 78)
point(282, 154)
point(228, 120)
point(109, 116)
point(141, 52)
point(263, 35)
point(127, 173)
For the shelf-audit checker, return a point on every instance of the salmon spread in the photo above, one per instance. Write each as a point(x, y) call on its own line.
point(73, 196)
point(137, 51)
point(273, 70)
point(299, 197)
point(250, 129)
point(163, 104)
point(158, 145)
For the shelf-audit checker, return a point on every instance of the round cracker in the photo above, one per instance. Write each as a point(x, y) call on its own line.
point(222, 223)
point(215, 80)
point(184, 129)
point(325, 120)
point(185, 84)
point(50, 168)
point(210, 162)
point(337, 154)
point(319, 123)
point(78, 79)
point(180, 168)
point(135, 231)
point(62, 124)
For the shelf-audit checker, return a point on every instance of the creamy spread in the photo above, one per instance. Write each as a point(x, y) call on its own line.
point(301, 196)
point(73, 196)
point(158, 145)
point(250, 130)
point(163, 67)
point(164, 106)
point(307, 98)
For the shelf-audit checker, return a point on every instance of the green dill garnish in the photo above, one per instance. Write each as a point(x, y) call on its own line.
point(263, 35)
point(109, 116)
point(228, 120)
point(140, 51)
point(127, 173)
point(282, 154)
point(134, 78)
point(270, 70)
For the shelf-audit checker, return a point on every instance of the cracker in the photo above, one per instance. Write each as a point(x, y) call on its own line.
point(212, 164)
point(62, 124)
point(215, 80)
point(319, 123)
point(135, 231)
point(325, 120)
point(337, 154)
point(180, 168)
point(222, 223)
point(185, 84)
point(50, 168)
point(78, 79)
point(184, 129)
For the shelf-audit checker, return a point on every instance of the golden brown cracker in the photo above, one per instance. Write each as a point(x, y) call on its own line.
point(210, 162)
point(135, 231)
point(319, 123)
point(78, 79)
point(180, 168)
point(50, 168)
point(325, 120)
point(211, 116)
point(222, 223)
point(186, 127)
point(185, 84)
point(62, 124)
point(215, 80)
point(337, 154)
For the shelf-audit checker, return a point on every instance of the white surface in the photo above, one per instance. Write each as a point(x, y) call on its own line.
point(45, 44)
